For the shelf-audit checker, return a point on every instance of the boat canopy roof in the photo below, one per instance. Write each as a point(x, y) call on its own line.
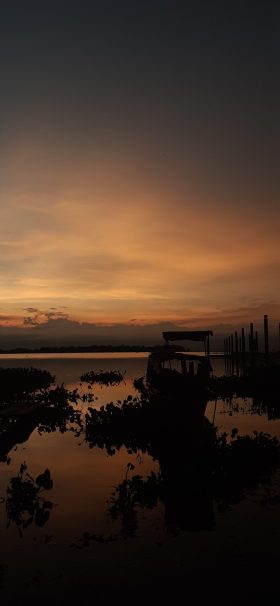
point(187, 335)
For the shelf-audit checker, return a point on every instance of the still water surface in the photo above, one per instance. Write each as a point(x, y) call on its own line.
point(53, 560)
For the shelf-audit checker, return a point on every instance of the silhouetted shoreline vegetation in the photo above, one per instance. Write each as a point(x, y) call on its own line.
point(28, 400)
point(91, 349)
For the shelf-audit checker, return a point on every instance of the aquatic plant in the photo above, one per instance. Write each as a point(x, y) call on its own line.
point(48, 411)
point(87, 538)
point(58, 411)
point(112, 377)
point(139, 420)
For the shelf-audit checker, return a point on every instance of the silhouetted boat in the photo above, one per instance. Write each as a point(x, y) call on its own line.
point(177, 373)
point(172, 374)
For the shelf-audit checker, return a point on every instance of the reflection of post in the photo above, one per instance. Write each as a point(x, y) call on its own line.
point(184, 366)
point(207, 347)
point(231, 354)
point(243, 347)
point(256, 341)
point(191, 369)
point(226, 353)
point(266, 345)
point(236, 353)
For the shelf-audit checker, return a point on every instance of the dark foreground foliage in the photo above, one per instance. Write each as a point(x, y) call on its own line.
point(138, 420)
point(58, 411)
point(17, 382)
point(51, 410)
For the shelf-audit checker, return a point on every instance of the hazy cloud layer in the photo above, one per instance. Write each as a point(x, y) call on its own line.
point(44, 328)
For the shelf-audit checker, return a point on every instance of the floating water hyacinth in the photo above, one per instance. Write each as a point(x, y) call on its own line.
point(112, 377)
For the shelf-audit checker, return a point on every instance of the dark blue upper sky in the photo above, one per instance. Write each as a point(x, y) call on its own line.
point(194, 70)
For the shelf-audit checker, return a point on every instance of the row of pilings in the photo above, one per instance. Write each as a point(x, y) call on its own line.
point(241, 349)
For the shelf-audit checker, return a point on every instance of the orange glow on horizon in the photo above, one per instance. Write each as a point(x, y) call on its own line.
point(108, 245)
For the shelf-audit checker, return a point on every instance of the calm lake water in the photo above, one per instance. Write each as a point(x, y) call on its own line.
point(58, 561)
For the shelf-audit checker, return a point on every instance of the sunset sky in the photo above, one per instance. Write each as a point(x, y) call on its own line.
point(139, 163)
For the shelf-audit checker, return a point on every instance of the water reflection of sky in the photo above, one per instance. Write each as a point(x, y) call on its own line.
point(51, 559)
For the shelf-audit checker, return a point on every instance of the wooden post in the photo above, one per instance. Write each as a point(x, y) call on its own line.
point(251, 342)
point(251, 337)
point(208, 347)
point(256, 341)
point(266, 344)
point(243, 340)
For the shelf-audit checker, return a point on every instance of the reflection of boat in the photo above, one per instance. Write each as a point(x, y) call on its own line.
point(174, 373)
point(183, 461)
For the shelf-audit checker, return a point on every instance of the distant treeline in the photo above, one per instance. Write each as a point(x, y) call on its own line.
point(93, 349)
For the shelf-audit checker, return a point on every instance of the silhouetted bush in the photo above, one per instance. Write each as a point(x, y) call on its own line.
point(19, 381)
